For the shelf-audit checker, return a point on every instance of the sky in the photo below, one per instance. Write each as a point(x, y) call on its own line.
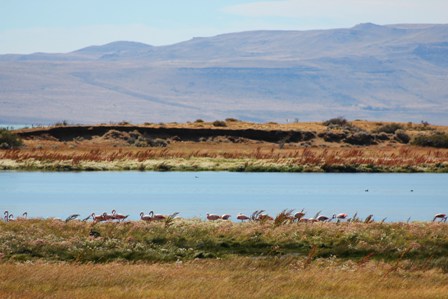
point(28, 26)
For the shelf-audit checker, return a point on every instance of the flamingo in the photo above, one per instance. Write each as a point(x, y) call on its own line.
point(23, 217)
point(87, 218)
point(299, 215)
point(441, 216)
point(97, 218)
point(225, 217)
point(72, 217)
point(213, 217)
point(119, 217)
point(242, 217)
point(145, 217)
point(157, 216)
point(108, 217)
point(6, 215)
point(262, 217)
point(11, 218)
point(324, 218)
point(340, 216)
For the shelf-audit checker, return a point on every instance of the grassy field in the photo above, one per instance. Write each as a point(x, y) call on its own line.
point(94, 152)
point(235, 278)
point(196, 259)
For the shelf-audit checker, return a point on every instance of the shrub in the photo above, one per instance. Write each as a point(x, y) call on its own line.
point(338, 121)
point(230, 119)
point(9, 140)
point(437, 139)
point(389, 128)
point(199, 120)
point(402, 137)
point(219, 123)
point(61, 123)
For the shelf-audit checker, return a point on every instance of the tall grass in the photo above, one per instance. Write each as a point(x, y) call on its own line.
point(236, 278)
point(52, 240)
point(404, 159)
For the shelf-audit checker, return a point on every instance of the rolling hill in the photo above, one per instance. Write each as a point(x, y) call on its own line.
point(393, 72)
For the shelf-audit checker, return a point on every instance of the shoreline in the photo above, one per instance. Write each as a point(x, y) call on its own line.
point(210, 164)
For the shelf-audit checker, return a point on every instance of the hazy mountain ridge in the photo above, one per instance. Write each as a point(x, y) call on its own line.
point(369, 71)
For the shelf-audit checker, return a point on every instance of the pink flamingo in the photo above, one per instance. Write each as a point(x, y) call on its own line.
point(157, 216)
point(225, 216)
point(340, 216)
point(108, 217)
point(119, 217)
point(11, 217)
point(323, 218)
point(213, 217)
point(6, 215)
point(264, 217)
point(242, 217)
point(440, 216)
point(299, 215)
point(97, 218)
point(24, 216)
point(145, 217)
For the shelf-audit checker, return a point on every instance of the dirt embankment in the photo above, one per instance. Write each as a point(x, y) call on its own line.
point(69, 133)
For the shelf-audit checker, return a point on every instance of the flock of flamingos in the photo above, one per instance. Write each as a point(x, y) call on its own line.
point(258, 215)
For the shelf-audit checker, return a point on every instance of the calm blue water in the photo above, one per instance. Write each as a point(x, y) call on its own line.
point(193, 194)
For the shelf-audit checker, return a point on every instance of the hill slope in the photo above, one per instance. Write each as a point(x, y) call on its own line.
point(369, 71)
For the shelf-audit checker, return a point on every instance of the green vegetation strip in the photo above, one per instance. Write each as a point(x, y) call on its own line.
point(75, 241)
point(213, 164)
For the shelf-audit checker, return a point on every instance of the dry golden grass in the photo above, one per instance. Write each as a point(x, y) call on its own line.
point(247, 155)
point(236, 278)
point(105, 154)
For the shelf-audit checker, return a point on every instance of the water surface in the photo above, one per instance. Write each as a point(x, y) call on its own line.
point(58, 194)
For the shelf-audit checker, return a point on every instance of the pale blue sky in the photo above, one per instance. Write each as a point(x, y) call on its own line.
point(28, 26)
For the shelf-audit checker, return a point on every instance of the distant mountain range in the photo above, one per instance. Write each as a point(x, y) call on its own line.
point(394, 72)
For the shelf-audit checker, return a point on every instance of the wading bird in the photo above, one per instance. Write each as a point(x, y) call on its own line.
point(264, 217)
point(6, 215)
point(145, 217)
point(299, 215)
point(340, 216)
point(440, 216)
point(323, 218)
point(242, 217)
point(23, 217)
point(225, 216)
point(157, 216)
point(119, 217)
point(108, 217)
point(72, 217)
point(97, 218)
point(213, 217)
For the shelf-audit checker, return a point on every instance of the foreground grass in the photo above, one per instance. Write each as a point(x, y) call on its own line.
point(426, 244)
point(234, 278)
point(196, 259)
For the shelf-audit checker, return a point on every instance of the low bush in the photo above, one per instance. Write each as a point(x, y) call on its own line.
point(9, 140)
point(338, 121)
point(232, 119)
point(437, 139)
point(389, 128)
point(219, 123)
point(402, 137)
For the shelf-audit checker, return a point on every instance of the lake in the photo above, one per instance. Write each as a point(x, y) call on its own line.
point(193, 194)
